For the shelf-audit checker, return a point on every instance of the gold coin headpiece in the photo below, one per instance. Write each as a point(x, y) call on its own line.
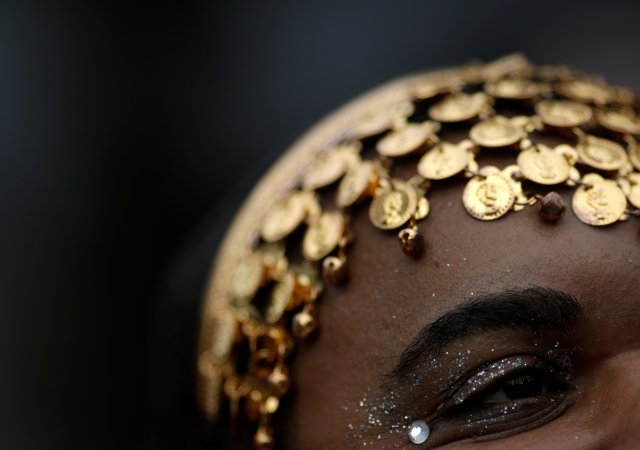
point(262, 295)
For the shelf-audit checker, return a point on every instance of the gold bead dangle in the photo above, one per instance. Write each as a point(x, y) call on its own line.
point(304, 322)
point(263, 439)
point(411, 241)
point(552, 207)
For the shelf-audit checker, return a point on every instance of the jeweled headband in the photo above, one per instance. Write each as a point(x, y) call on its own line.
point(262, 294)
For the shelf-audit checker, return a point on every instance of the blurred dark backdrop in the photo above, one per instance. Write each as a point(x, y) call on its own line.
point(128, 134)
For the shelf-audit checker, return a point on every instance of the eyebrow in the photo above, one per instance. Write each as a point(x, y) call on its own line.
point(530, 308)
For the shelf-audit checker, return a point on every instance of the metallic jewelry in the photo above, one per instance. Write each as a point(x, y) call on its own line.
point(292, 236)
point(419, 432)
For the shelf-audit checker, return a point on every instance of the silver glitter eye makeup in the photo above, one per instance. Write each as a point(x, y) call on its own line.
point(511, 379)
point(502, 398)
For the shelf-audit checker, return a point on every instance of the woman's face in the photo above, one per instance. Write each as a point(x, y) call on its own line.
point(547, 356)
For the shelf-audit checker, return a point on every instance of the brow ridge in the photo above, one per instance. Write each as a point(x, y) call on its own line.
point(515, 308)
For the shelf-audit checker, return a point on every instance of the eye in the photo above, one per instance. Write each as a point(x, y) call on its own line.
point(530, 383)
point(504, 398)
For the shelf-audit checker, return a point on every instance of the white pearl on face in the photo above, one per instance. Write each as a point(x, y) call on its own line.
point(419, 432)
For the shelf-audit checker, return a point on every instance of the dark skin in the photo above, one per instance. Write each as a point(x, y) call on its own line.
point(342, 377)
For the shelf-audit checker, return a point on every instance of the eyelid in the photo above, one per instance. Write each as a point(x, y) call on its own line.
point(465, 415)
point(492, 373)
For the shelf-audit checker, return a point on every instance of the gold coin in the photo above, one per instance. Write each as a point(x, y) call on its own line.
point(525, 122)
point(599, 203)
point(379, 120)
point(513, 174)
point(543, 166)
point(622, 95)
point(224, 326)
point(601, 154)
point(563, 113)
point(574, 176)
point(488, 170)
point(512, 89)
point(371, 124)
point(403, 141)
point(555, 73)
point(210, 384)
point(393, 208)
point(488, 197)
point(323, 236)
point(634, 154)
point(420, 184)
point(401, 110)
point(458, 107)
point(284, 217)
point(273, 259)
point(472, 164)
point(634, 189)
point(355, 184)
point(620, 121)
point(423, 208)
point(426, 91)
point(584, 91)
point(245, 312)
point(307, 286)
point(248, 277)
point(443, 161)
point(330, 166)
point(568, 152)
point(311, 204)
point(281, 295)
point(497, 131)
point(592, 178)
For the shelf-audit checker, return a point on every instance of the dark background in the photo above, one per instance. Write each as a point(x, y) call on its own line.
point(128, 134)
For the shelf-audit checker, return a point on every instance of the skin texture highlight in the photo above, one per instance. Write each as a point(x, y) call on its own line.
point(342, 374)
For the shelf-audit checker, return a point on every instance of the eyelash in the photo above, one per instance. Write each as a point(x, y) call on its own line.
point(475, 408)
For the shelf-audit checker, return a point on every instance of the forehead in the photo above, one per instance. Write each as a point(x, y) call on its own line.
point(466, 257)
